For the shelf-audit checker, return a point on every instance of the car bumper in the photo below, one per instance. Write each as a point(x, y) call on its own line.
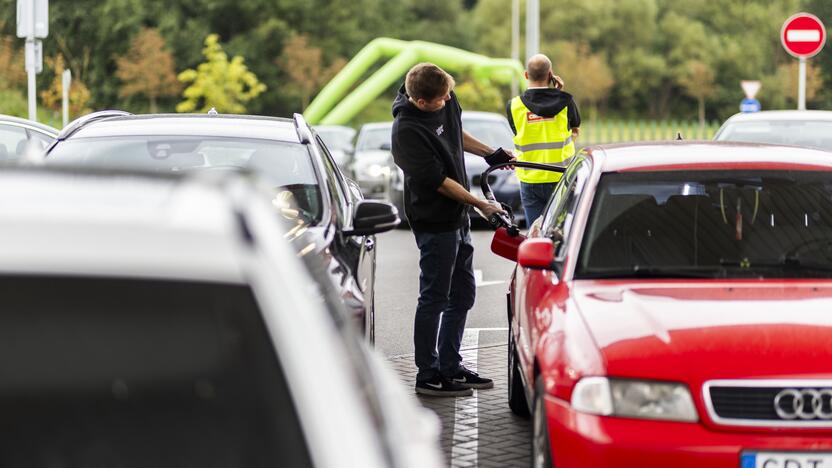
point(579, 440)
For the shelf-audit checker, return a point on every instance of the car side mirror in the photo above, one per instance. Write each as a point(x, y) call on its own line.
point(537, 254)
point(373, 217)
point(385, 146)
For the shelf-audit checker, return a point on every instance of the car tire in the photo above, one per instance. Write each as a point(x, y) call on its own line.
point(516, 392)
point(541, 449)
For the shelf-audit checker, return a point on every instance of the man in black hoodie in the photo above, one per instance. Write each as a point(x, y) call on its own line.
point(545, 122)
point(428, 144)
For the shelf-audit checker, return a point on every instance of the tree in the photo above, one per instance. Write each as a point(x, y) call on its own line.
point(480, 96)
point(698, 82)
point(147, 68)
point(588, 77)
point(780, 89)
point(12, 73)
point(225, 86)
point(303, 63)
point(52, 97)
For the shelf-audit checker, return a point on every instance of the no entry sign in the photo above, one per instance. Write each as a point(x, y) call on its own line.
point(803, 35)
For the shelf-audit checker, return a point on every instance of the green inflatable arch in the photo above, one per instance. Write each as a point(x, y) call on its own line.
point(332, 108)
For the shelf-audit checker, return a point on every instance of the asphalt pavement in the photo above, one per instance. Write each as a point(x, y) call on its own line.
point(397, 290)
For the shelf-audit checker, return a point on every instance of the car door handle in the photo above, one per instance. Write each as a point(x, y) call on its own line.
point(370, 243)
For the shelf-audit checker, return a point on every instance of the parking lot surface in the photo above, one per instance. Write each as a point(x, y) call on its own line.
point(479, 430)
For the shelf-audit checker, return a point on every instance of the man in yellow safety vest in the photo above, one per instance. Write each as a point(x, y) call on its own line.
point(545, 122)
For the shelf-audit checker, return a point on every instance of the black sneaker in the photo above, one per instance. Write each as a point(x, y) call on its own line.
point(438, 386)
point(470, 379)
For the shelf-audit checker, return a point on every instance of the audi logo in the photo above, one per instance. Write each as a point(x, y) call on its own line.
point(805, 404)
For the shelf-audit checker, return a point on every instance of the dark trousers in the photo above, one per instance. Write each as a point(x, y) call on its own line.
point(534, 198)
point(446, 293)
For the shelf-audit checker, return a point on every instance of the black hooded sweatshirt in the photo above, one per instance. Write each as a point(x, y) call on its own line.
point(427, 146)
point(547, 102)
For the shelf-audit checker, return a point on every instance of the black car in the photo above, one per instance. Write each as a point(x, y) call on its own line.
point(327, 209)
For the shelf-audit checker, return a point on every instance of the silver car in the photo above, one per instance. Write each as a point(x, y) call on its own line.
point(20, 138)
point(810, 128)
point(163, 320)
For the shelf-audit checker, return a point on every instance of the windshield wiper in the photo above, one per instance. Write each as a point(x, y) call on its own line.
point(788, 263)
point(647, 271)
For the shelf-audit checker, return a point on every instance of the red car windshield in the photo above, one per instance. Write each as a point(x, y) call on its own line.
point(713, 224)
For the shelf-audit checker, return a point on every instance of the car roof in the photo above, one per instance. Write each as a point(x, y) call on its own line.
point(781, 115)
point(37, 125)
point(223, 125)
point(483, 115)
point(675, 155)
point(376, 125)
point(117, 223)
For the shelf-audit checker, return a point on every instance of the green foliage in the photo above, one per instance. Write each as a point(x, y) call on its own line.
point(217, 83)
point(647, 45)
point(479, 96)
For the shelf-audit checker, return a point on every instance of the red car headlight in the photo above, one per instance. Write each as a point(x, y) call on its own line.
point(642, 399)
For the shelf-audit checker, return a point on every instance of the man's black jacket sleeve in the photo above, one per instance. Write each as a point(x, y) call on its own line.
point(411, 153)
point(573, 115)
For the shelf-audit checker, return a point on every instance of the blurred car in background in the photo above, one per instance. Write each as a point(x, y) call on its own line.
point(179, 330)
point(372, 167)
point(20, 137)
point(492, 129)
point(339, 140)
point(379, 177)
point(307, 186)
point(809, 128)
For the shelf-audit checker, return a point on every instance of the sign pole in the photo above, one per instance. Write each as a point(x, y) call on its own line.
point(515, 42)
point(31, 57)
point(801, 85)
point(532, 27)
point(66, 82)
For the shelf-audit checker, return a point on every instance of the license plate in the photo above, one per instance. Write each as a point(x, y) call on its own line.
point(786, 460)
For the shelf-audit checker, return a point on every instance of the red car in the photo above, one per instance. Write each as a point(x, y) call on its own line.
point(673, 308)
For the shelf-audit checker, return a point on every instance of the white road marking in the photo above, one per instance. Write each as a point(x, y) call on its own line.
point(479, 281)
point(466, 408)
point(803, 35)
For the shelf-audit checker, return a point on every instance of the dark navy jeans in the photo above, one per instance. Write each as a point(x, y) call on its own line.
point(534, 198)
point(446, 293)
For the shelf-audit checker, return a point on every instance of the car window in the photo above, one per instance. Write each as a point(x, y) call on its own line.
point(337, 138)
point(334, 180)
point(285, 166)
point(13, 142)
point(118, 372)
point(728, 223)
point(374, 139)
point(815, 134)
point(493, 132)
point(563, 204)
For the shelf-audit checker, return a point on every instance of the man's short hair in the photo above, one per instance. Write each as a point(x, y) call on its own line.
point(427, 81)
point(538, 67)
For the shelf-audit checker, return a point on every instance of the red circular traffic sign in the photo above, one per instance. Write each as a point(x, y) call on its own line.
point(803, 35)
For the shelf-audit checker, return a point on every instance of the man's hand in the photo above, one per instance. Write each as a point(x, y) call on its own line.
point(488, 208)
point(559, 84)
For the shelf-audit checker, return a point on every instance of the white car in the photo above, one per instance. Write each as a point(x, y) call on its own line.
point(810, 128)
point(163, 320)
point(21, 138)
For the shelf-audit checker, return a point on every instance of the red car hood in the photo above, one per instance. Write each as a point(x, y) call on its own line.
point(696, 331)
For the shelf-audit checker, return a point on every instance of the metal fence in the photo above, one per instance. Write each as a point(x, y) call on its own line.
point(614, 131)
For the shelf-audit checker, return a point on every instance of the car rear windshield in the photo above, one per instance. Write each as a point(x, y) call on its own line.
point(814, 134)
point(743, 223)
point(494, 133)
point(139, 373)
point(375, 139)
point(285, 166)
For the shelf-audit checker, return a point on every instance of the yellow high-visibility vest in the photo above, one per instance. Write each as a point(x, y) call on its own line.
point(540, 140)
